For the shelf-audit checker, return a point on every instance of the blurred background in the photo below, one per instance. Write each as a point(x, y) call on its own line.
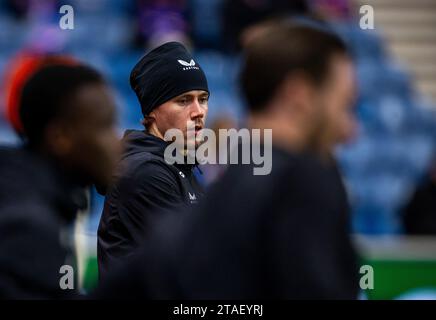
point(392, 156)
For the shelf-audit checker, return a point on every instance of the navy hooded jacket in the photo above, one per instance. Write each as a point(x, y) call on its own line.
point(146, 187)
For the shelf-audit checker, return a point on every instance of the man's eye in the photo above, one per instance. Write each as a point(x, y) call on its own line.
point(203, 100)
point(183, 101)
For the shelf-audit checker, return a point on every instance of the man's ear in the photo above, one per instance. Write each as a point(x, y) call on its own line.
point(298, 90)
point(58, 139)
point(151, 125)
point(149, 119)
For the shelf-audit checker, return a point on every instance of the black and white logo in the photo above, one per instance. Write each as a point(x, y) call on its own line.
point(188, 65)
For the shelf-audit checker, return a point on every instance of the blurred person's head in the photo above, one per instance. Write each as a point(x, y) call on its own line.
point(222, 122)
point(172, 90)
point(300, 80)
point(18, 71)
point(68, 114)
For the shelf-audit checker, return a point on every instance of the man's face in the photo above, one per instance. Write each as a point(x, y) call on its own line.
point(336, 99)
point(93, 145)
point(175, 113)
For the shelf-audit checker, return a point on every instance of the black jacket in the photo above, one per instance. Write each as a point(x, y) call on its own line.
point(145, 187)
point(285, 235)
point(420, 213)
point(37, 207)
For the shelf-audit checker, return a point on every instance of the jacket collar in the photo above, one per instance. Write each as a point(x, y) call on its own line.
point(136, 141)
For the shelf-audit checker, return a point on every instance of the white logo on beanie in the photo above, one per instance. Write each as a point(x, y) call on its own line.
point(188, 65)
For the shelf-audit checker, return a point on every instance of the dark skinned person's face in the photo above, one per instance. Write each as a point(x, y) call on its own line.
point(89, 145)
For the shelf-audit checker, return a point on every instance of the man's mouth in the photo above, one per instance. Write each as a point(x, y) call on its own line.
point(197, 129)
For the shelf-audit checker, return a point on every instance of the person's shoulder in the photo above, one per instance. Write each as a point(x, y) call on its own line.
point(30, 216)
point(151, 168)
point(147, 174)
point(20, 171)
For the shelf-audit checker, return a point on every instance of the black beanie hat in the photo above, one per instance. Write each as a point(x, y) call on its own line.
point(164, 73)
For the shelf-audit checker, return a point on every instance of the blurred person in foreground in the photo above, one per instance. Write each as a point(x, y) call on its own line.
point(419, 216)
point(279, 236)
point(172, 89)
point(67, 115)
point(212, 172)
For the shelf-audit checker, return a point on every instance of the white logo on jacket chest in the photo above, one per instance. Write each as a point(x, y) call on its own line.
point(192, 197)
point(181, 174)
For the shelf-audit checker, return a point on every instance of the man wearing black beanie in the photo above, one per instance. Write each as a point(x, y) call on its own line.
point(172, 90)
point(284, 235)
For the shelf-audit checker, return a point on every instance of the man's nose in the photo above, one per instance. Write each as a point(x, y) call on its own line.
point(197, 110)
